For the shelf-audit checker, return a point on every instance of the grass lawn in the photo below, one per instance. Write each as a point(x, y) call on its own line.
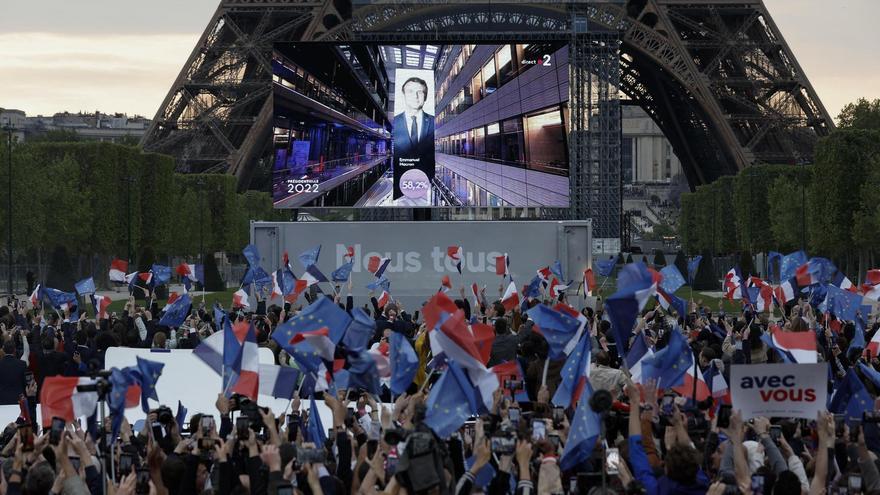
point(225, 298)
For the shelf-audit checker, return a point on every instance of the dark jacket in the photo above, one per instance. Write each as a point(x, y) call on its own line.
point(12, 382)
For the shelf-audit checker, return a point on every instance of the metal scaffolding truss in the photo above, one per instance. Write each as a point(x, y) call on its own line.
point(717, 77)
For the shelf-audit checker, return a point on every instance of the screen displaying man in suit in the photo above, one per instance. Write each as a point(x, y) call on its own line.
point(413, 135)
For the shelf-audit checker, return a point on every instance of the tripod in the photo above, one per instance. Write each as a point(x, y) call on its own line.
point(102, 387)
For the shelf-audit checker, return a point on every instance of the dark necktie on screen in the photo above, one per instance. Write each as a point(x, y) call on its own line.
point(414, 131)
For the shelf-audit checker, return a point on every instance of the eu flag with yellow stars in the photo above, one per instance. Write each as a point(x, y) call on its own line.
point(322, 313)
point(574, 374)
point(451, 402)
point(150, 371)
point(404, 363)
point(851, 398)
point(585, 428)
point(669, 365)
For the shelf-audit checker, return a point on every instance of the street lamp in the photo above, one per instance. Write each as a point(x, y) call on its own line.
point(9, 128)
point(201, 184)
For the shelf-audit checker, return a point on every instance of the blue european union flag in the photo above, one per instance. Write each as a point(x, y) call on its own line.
point(380, 282)
point(790, 263)
point(622, 309)
point(150, 371)
point(585, 428)
point(310, 257)
point(451, 402)
point(322, 313)
point(251, 254)
point(360, 330)
point(672, 279)
point(315, 430)
point(161, 275)
point(362, 373)
point(573, 372)
point(605, 267)
point(774, 259)
point(85, 286)
point(342, 273)
point(693, 266)
point(120, 380)
point(176, 312)
point(404, 363)
point(851, 398)
point(57, 297)
point(534, 287)
point(634, 275)
point(871, 374)
point(669, 365)
point(180, 417)
point(843, 303)
point(557, 328)
point(262, 281)
point(556, 269)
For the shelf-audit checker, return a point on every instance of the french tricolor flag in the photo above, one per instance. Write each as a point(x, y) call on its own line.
point(502, 265)
point(319, 340)
point(545, 273)
point(636, 355)
point(510, 299)
point(278, 381)
point(456, 342)
point(383, 299)
point(871, 291)
point(118, 269)
point(687, 389)
point(557, 288)
point(240, 299)
point(786, 291)
point(59, 398)
point(589, 282)
point(795, 347)
point(717, 384)
point(349, 252)
point(101, 304)
point(731, 284)
point(247, 382)
point(455, 253)
point(377, 265)
point(804, 276)
point(764, 300)
point(873, 277)
point(873, 346)
point(35, 296)
point(445, 283)
point(475, 290)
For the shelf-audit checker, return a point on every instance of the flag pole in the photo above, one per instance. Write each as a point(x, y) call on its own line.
point(544, 375)
point(694, 396)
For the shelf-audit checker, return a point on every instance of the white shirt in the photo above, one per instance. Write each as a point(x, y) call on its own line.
point(408, 118)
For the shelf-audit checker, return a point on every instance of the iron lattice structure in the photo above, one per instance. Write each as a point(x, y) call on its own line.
point(717, 77)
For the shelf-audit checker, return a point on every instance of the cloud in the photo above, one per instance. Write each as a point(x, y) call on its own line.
point(46, 73)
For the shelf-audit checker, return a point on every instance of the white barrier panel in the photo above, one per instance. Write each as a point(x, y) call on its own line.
point(779, 390)
point(186, 378)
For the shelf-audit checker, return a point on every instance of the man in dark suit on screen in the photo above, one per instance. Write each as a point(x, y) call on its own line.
point(413, 133)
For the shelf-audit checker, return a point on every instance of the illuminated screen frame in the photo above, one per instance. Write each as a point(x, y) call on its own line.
point(442, 125)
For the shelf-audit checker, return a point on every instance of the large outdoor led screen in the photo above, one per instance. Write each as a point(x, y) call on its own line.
point(440, 125)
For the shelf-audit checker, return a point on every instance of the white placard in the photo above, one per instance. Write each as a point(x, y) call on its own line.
point(779, 390)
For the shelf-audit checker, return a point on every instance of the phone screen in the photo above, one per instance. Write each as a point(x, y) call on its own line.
point(124, 464)
point(666, 405)
point(539, 430)
point(56, 431)
point(724, 416)
point(513, 413)
point(612, 461)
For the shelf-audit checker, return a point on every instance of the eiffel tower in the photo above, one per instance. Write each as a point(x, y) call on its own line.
point(717, 77)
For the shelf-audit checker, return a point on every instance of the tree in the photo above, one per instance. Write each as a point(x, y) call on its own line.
point(787, 215)
point(862, 114)
point(659, 258)
point(60, 275)
point(681, 263)
point(705, 278)
point(213, 280)
point(839, 175)
point(746, 264)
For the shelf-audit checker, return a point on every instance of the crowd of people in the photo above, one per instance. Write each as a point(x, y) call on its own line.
point(652, 442)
